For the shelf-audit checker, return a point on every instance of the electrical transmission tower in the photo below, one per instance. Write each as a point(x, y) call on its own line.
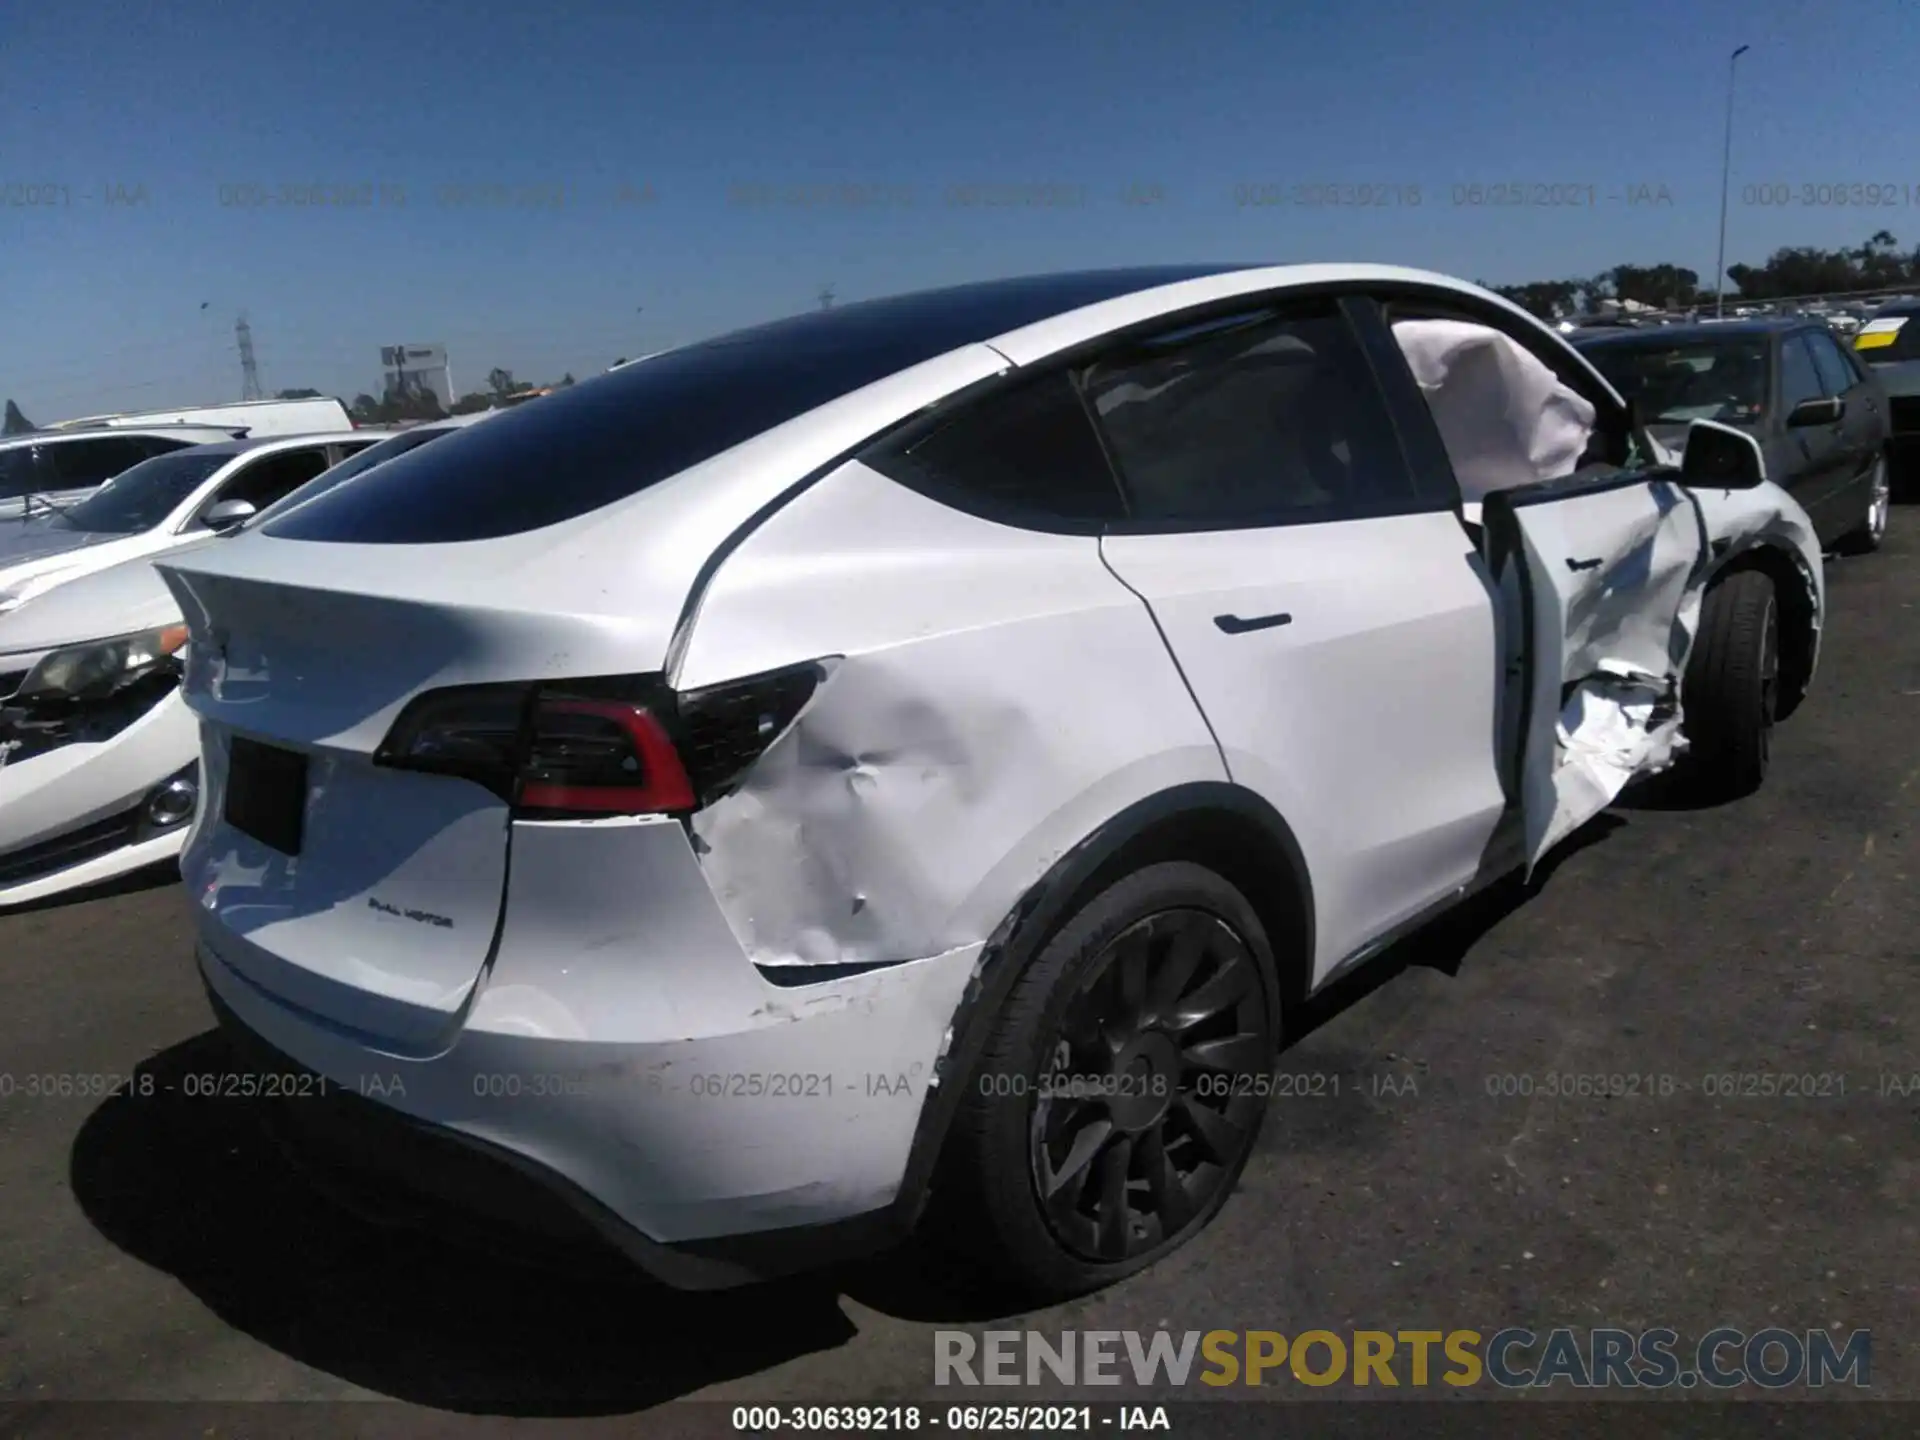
point(826, 297)
point(249, 371)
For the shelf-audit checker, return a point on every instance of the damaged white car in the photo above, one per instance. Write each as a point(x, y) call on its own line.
point(922, 747)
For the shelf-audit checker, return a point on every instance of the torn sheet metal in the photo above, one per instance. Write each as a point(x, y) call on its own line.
point(1617, 724)
point(1505, 418)
point(986, 715)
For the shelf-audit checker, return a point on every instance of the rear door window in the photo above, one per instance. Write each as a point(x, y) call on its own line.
point(1799, 378)
point(1836, 375)
point(1267, 419)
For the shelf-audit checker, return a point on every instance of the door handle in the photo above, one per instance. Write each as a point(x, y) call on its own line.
point(1577, 565)
point(1236, 625)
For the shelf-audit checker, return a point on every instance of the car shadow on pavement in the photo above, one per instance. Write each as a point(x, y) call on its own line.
point(194, 1187)
point(156, 876)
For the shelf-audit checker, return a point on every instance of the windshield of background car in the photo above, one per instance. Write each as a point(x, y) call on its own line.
point(1724, 380)
point(347, 469)
point(140, 498)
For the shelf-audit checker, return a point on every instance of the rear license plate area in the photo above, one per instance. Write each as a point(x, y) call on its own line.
point(266, 793)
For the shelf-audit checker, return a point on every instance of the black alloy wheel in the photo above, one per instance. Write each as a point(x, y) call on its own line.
point(1153, 1095)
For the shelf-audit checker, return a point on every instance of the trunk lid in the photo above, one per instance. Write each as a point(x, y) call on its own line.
point(365, 895)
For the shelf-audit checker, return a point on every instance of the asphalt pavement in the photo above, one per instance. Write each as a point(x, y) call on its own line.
point(1421, 1177)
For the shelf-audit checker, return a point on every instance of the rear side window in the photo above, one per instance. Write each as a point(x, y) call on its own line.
point(81, 463)
point(1027, 457)
point(1272, 420)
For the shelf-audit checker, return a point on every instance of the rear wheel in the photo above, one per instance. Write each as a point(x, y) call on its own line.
point(1865, 538)
point(1123, 1086)
point(1731, 693)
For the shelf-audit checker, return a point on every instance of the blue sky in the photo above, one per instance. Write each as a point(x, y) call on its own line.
point(862, 122)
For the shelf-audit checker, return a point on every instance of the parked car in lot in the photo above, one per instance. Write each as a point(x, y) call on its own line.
point(320, 415)
point(161, 503)
point(1889, 341)
point(923, 747)
point(99, 760)
point(1820, 415)
point(48, 470)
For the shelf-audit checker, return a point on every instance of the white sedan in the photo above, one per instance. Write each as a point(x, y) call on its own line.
point(162, 503)
point(99, 760)
point(924, 747)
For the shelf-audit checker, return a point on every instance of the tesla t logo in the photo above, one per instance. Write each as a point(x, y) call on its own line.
point(425, 917)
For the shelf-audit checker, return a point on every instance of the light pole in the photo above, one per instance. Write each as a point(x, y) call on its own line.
point(1726, 171)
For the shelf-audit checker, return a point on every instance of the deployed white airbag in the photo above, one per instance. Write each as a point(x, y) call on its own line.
point(1506, 419)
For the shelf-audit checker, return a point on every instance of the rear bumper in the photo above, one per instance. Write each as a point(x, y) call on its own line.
point(621, 1049)
point(393, 1169)
point(71, 815)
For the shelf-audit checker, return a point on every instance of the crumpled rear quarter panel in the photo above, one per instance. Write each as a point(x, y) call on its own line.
point(999, 695)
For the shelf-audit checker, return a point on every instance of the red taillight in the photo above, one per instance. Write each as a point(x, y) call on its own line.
point(618, 745)
point(604, 757)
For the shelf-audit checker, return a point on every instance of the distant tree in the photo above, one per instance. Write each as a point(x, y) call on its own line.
point(1665, 287)
point(567, 379)
point(298, 395)
point(409, 402)
point(501, 382)
point(16, 423)
point(1878, 264)
point(1547, 299)
point(365, 409)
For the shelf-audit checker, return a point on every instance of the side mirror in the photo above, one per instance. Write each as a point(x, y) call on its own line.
point(1823, 411)
point(1719, 457)
point(228, 515)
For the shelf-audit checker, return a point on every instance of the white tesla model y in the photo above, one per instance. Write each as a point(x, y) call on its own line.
point(924, 746)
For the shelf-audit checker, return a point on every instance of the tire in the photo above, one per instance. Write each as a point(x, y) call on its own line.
point(1082, 1086)
point(1866, 537)
point(1731, 691)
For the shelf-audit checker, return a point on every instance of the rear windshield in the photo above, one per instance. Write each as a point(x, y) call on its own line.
point(600, 441)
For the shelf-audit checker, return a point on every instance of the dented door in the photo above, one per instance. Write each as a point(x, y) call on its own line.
point(1604, 568)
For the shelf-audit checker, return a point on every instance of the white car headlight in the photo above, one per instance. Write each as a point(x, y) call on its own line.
point(102, 666)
